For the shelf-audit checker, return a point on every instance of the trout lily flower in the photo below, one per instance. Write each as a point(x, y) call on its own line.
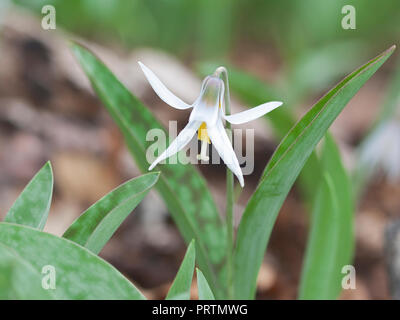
point(207, 119)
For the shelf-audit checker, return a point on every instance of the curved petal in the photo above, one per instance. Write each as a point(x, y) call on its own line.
point(222, 144)
point(253, 113)
point(179, 143)
point(167, 96)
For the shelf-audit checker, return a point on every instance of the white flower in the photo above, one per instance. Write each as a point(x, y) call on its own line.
point(206, 118)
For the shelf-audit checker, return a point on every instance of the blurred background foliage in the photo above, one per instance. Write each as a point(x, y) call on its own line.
point(302, 35)
point(208, 28)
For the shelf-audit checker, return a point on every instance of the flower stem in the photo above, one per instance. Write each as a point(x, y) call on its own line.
point(223, 74)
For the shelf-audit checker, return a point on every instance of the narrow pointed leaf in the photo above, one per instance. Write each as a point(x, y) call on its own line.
point(32, 206)
point(183, 189)
point(319, 267)
point(97, 224)
point(281, 172)
point(79, 274)
point(331, 241)
point(180, 288)
point(332, 163)
point(204, 289)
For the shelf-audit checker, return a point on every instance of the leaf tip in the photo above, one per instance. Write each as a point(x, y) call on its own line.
point(198, 273)
point(157, 173)
point(154, 177)
point(74, 44)
point(389, 51)
point(48, 164)
point(49, 167)
point(191, 246)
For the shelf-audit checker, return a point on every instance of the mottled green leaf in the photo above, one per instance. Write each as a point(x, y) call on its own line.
point(203, 288)
point(19, 279)
point(281, 172)
point(180, 288)
point(97, 224)
point(32, 206)
point(181, 186)
point(79, 273)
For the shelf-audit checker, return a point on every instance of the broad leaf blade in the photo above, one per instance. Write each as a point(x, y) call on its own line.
point(204, 289)
point(180, 288)
point(32, 206)
point(97, 224)
point(181, 186)
point(281, 172)
point(18, 279)
point(80, 274)
point(331, 241)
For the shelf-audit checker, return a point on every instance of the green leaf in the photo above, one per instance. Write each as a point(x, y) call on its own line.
point(281, 172)
point(79, 273)
point(319, 272)
point(97, 224)
point(331, 241)
point(180, 288)
point(332, 163)
point(205, 292)
point(18, 279)
point(181, 186)
point(32, 206)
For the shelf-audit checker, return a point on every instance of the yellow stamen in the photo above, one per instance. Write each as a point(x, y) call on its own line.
point(205, 140)
point(202, 133)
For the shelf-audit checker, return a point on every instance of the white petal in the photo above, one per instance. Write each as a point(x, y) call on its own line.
point(167, 96)
point(206, 107)
point(222, 144)
point(253, 113)
point(179, 143)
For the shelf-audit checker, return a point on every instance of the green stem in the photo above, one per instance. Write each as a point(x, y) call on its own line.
point(223, 74)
